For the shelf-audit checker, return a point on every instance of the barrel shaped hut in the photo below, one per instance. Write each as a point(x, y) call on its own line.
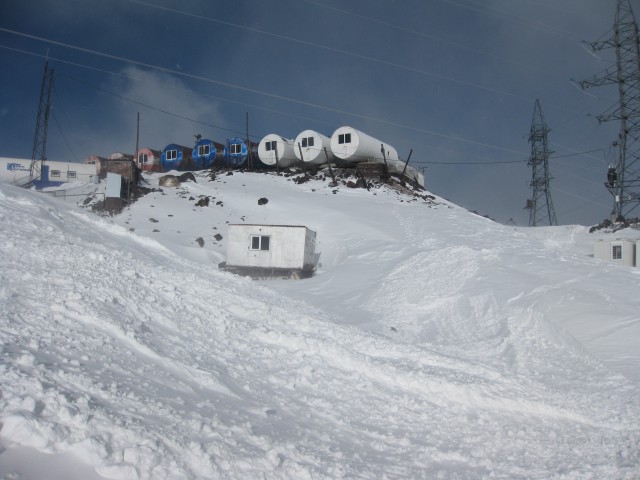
point(148, 160)
point(275, 150)
point(176, 157)
point(310, 147)
point(205, 153)
point(351, 145)
point(236, 152)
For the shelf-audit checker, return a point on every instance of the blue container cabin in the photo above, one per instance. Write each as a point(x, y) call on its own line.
point(205, 153)
point(236, 153)
point(176, 157)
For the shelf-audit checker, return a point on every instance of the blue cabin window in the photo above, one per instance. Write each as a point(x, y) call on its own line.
point(344, 138)
point(55, 173)
point(204, 150)
point(142, 158)
point(307, 142)
point(271, 146)
point(235, 149)
point(260, 242)
point(71, 174)
point(172, 154)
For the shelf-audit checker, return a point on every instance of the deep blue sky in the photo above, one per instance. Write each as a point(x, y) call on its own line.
point(454, 80)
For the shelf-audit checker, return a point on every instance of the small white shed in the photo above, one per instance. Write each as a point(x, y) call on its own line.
point(271, 250)
point(620, 250)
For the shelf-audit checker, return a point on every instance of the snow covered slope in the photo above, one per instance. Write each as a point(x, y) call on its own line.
point(432, 343)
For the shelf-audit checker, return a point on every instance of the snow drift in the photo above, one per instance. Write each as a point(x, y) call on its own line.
point(432, 343)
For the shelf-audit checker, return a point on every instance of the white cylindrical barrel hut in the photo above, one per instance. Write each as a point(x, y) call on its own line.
point(310, 147)
point(351, 145)
point(272, 145)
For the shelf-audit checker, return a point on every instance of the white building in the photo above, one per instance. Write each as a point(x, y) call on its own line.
point(17, 171)
point(271, 250)
point(620, 250)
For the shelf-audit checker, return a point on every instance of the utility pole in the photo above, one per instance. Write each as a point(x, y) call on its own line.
point(39, 153)
point(540, 205)
point(623, 178)
point(249, 156)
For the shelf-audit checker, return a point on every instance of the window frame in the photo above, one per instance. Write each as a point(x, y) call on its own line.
point(260, 243)
point(54, 173)
point(172, 154)
point(344, 138)
point(204, 150)
point(616, 252)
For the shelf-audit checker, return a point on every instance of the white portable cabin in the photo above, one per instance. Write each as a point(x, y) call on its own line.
point(310, 146)
point(274, 150)
point(351, 145)
point(270, 249)
point(619, 251)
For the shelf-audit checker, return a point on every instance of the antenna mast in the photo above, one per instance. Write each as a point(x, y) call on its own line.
point(42, 125)
point(540, 206)
point(623, 179)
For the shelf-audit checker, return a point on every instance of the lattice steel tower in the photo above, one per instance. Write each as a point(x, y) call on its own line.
point(540, 206)
point(623, 179)
point(39, 154)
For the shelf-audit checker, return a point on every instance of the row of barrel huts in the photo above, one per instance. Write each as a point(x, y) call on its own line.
point(346, 146)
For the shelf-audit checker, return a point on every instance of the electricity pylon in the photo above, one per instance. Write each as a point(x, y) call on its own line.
point(540, 205)
point(39, 153)
point(623, 179)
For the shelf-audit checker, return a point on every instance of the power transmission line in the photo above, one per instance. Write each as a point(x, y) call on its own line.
point(151, 107)
point(256, 91)
point(334, 50)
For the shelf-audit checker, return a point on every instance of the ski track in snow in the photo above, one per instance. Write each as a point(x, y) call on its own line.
point(427, 346)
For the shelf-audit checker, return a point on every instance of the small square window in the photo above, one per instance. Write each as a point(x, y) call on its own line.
point(71, 174)
point(235, 149)
point(172, 154)
point(616, 252)
point(55, 173)
point(204, 150)
point(271, 146)
point(142, 158)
